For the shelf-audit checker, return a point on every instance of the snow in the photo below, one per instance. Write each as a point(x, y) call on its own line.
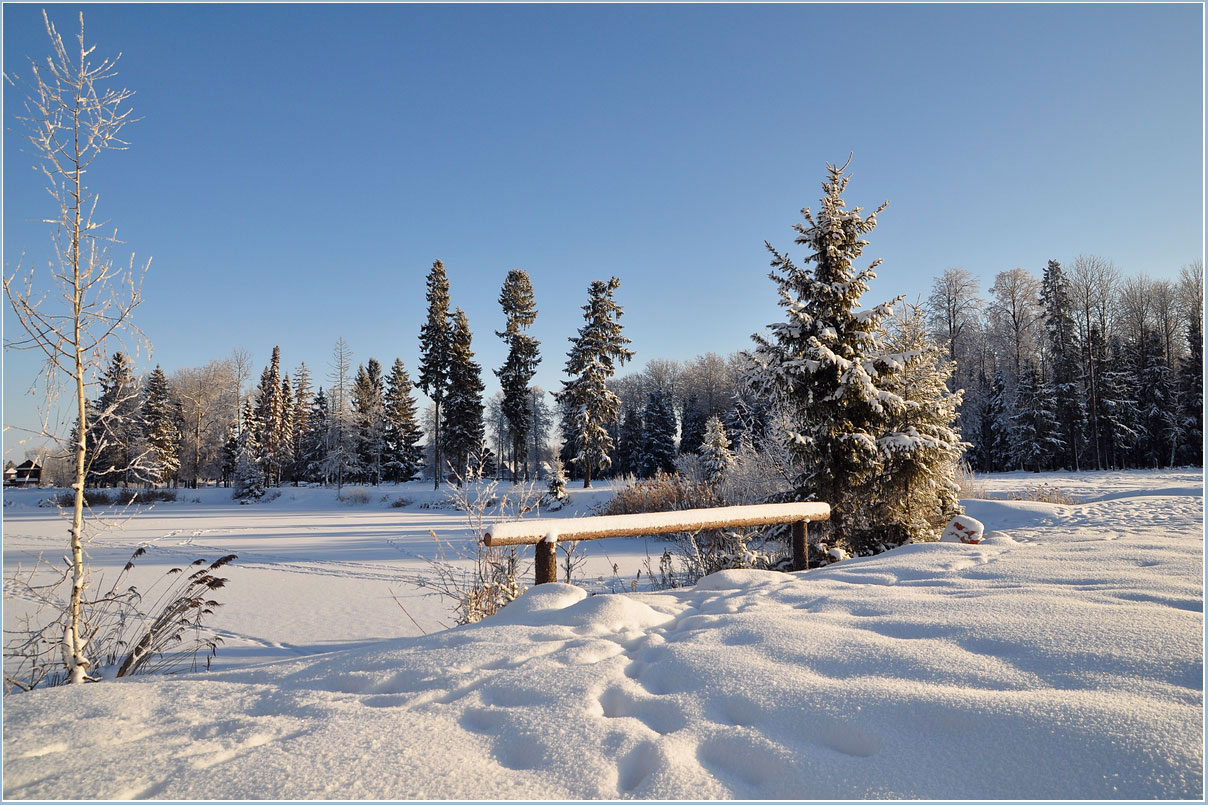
point(1061, 658)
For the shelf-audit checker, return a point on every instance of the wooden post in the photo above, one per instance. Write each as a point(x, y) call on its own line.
point(801, 556)
point(547, 562)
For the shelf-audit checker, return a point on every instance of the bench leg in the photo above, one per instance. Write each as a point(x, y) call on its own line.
point(547, 562)
point(801, 557)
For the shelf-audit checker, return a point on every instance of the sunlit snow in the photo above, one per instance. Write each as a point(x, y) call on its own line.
point(1060, 658)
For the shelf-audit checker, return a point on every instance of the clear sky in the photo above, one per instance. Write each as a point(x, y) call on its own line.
point(297, 168)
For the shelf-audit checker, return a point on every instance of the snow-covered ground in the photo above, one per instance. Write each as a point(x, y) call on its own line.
point(1062, 658)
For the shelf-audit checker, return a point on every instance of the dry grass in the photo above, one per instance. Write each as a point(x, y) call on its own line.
point(662, 493)
point(971, 487)
point(1044, 493)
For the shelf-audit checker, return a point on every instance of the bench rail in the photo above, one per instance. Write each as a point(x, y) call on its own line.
point(547, 531)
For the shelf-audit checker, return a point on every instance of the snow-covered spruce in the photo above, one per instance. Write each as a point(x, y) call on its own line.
point(843, 389)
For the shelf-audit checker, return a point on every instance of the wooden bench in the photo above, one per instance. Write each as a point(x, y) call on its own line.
point(546, 531)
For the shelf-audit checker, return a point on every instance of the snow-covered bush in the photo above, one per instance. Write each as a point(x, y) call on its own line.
point(557, 481)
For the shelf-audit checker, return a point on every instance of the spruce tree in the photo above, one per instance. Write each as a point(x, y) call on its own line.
point(315, 440)
point(588, 404)
point(920, 447)
point(1064, 353)
point(464, 434)
point(270, 410)
point(160, 431)
point(692, 434)
point(994, 427)
point(822, 365)
point(249, 476)
point(520, 311)
point(629, 457)
point(1191, 381)
point(230, 452)
point(658, 436)
point(369, 418)
point(301, 407)
point(1120, 426)
point(115, 455)
point(285, 449)
point(1035, 431)
point(716, 455)
point(403, 456)
point(1158, 405)
point(435, 345)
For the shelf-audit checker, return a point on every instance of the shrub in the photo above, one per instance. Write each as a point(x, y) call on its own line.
point(400, 503)
point(662, 493)
point(1044, 494)
point(120, 497)
point(354, 497)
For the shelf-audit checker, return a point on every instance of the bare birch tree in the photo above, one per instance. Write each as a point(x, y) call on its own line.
point(70, 122)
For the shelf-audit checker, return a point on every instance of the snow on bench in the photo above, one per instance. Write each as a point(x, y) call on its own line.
point(547, 531)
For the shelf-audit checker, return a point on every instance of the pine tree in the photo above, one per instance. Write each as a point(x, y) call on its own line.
point(518, 369)
point(435, 345)
point(1035, 431)
point(994, 428)
point(160, 431)
point(465, 433)
point(693, 431)
point(588, 404)
point(716, 455)
point(369, 417)
point(822, 365)
point(658, 436)
point(403, 456)
point(249, 477)
point(340, 460)
point(1064, 353)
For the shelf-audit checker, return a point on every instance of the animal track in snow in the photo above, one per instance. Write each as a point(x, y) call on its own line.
point(637, 765)
point(661, 716)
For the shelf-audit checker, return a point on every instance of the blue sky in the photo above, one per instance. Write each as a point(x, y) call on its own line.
point(297, 168)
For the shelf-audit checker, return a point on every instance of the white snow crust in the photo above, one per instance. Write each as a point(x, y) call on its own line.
point(1061, 658)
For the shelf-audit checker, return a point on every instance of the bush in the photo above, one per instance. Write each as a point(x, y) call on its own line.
point(400, 503)
point(354, 497)
point(662, 493)
point(119, 497)
point(1044, 494)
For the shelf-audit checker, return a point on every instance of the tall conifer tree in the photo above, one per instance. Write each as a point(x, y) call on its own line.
point(464, 429)
point(403, 456)
point(520, 311)
point(589, 407)
point(435, 345)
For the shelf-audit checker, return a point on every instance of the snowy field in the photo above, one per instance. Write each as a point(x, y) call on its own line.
point(1060, 659)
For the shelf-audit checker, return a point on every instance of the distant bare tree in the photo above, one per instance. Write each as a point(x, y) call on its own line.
point(208, 397)
point(1015, 308)
point(953, 308)
point(70, 123)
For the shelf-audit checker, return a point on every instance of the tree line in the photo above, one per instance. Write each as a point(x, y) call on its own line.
point(1076, 369)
